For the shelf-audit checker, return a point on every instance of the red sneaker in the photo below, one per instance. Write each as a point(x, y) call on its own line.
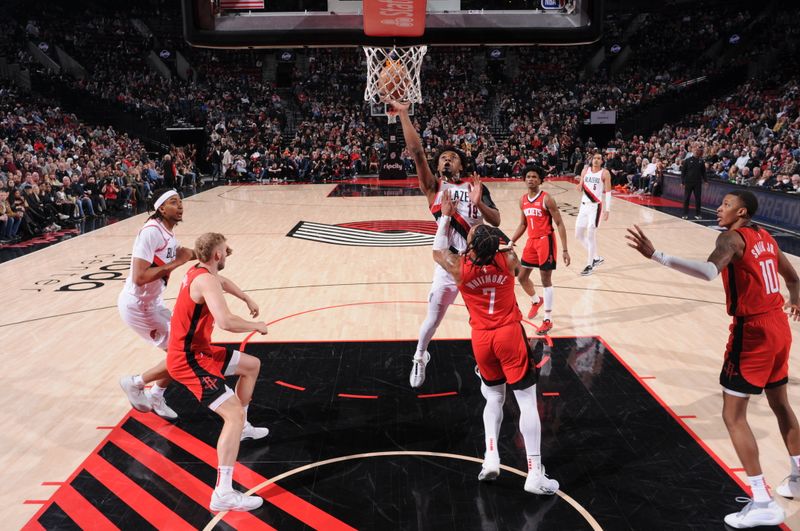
point(547, 325)
point(535, 308)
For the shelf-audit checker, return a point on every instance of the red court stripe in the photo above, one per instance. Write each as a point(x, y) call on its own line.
point(304, 511)
point(33, 525)
point(133, 495)
point(290, 386)
point(687, 416)
point(737, 469)
point(104, 428)
point(81, 511)
point(647, 377)
point(551, 394)
point(53, 483)
point(672, 413)
point(74, 474)
point(545, 359)
point(34, 502)
point(181, 479)
point(346, 395)
point(435, 395)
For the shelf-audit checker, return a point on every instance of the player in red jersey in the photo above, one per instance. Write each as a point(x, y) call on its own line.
point(757, 354)
point(485, 278)
point(202, 367)
point(539, 212)
point(474, 205)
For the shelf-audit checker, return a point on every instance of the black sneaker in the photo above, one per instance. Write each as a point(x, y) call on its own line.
point(588, 270)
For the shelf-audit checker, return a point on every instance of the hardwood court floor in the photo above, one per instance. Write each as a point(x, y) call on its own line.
point(67, 347)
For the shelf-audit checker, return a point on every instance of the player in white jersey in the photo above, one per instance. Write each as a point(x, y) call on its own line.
point(595, 186)
point(155, 255)
point(473, 205)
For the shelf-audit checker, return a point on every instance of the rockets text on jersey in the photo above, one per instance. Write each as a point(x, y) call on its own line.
point(539, 220)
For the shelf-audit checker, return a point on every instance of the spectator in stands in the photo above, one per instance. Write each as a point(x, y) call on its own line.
point(10, 220)
point(693, 175)
point(82, 199)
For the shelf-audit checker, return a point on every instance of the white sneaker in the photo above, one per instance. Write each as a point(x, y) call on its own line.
point(251, 432)
point(539, 483)
point(790, 488)
point(752, 516)
point(135, 394)
point(491, 468)
point(597, 261)
point(417, 377)
point(234, 501)
point(160, 407)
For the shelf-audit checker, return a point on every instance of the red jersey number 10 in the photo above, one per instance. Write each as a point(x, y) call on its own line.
point(770, 276)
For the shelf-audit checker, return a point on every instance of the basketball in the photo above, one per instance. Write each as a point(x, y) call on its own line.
point(392, 81)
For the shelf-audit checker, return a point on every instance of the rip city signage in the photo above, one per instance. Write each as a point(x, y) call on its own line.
point(88, 274)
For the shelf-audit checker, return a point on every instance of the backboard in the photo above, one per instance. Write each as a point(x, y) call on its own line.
point(326, 23)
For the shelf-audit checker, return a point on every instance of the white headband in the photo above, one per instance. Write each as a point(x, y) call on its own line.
point(161, 200)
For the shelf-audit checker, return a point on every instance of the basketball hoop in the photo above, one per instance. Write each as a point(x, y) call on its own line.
point(394, 74)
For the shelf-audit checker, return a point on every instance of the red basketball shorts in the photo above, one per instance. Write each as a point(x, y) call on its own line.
point(757, 354)
point(540, 252)
point(203, 373)
point(502, 356)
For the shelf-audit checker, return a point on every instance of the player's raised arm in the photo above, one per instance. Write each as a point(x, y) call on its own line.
point(728, 246)
point(427, 181)
point(480, 197)
point(555, 213)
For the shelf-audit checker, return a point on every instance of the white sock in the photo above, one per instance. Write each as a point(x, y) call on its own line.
point(529, 424)
point(493, 416)
point(534, 463)
point(548, 299)
point(157, 390)
point(224, 479)
point(759, 488)
point(535, 298)
point(795, 459)
point(138, 380)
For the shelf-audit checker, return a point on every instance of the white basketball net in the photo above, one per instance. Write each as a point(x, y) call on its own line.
point(398, 67)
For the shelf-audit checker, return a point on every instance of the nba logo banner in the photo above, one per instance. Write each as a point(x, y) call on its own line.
point(552, 4)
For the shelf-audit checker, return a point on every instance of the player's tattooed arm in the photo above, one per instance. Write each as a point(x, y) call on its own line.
point(730, 246)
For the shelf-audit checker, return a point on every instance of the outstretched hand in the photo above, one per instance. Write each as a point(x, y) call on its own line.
point(399, 107)
point(794, 310)
point(448, 205)
point(476, 191)
point(640, 242)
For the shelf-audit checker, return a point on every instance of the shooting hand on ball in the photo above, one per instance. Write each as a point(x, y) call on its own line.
point(400, 107)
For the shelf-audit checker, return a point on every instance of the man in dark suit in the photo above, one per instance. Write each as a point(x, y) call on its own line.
point(693, 175)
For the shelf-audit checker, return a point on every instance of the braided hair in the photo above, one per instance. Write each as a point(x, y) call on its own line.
point(485, 243)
